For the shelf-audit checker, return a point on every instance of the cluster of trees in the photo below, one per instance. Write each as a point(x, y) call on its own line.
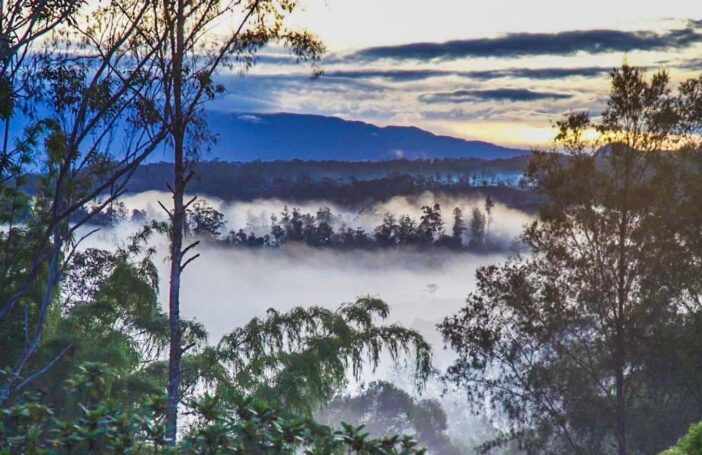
point(254, 391)
point(234, 425)
point(314, 181)
point(317, 229)
point(383, 408)
point(476, 171)
point(89, 361)
point(590, 343)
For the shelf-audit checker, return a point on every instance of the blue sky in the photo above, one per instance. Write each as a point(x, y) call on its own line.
point(500, 71)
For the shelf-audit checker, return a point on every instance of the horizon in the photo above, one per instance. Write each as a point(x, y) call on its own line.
point(500, 73)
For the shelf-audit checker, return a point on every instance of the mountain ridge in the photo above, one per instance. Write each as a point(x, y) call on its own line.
point(246, 136)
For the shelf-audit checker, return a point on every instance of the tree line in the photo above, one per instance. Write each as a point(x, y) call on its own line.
point(394, 231)
point(367, 183)
point(318, 229)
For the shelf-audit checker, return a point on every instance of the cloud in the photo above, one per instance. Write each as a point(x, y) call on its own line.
point(394, 75)
point(251, 118)
point(694, 64)
point(406, 75)
point(500, 94)
point(539, 73)
point(530, 44)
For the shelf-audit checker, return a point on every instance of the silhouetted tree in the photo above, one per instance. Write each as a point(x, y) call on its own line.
point(459, 227)
point(489, 204)
point(386, 233)
point(384, 409)
point(204, 220)
point(185, 67)
point(431, 226)
point(477, 229)
point(407, 231)
point(584, 343)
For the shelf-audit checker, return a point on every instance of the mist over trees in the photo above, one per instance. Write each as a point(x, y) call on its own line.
point(90, 362)
point(588, 342)
point(324, 228)
point(385, 409)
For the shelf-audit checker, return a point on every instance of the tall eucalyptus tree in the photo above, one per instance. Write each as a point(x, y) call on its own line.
point(202, 37)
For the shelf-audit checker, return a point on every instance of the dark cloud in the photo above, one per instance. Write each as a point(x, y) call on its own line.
point(400, 75)
point(500, 94)
point(527, 44)
point(540, 73)
point(276, 59)
point(692, 64)
point(395, 75)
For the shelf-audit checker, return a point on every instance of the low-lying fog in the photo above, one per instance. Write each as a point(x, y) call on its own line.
point(226, 287)
point(505, 225)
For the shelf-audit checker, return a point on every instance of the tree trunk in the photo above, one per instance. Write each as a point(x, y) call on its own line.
point(621, 393)
point(174, 301)
point(620, 341)
point(176, 234)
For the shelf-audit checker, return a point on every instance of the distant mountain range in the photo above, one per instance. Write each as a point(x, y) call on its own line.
point(253, 136)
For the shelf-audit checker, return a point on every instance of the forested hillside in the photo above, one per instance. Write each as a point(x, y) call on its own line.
point(351, 184)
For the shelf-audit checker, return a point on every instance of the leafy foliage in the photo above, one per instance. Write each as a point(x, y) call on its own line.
point(384, 409)
point(107, 397)
point(587, 343)
point(690, 444)
point(233, 425)
point(300, 359)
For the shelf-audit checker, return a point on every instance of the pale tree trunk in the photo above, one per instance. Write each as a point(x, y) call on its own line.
point(176, 251)
point(176, 233)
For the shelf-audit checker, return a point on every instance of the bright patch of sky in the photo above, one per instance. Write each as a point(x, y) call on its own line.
point(500, 71)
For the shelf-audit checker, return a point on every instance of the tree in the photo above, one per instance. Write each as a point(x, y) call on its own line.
point(237, 425)
point(580, 341)
point(73, 107)
point(386, 233)
point(384, 409)
point(186, 65)
point(459, 227)
point(690, 444)
point(300, 359)
point(406, 231)
point(431, 226)
point(23, 23)
point(489, 204)
point(205, 220)
point(477, 225)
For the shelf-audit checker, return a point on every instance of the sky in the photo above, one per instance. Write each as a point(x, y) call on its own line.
point(501, 71)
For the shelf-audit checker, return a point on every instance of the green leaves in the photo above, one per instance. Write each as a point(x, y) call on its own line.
point(690, 444)
point(301, 358)
point(223, 424)
point(251, 426)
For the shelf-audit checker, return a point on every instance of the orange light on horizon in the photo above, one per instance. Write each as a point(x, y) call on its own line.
point(506, 133)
